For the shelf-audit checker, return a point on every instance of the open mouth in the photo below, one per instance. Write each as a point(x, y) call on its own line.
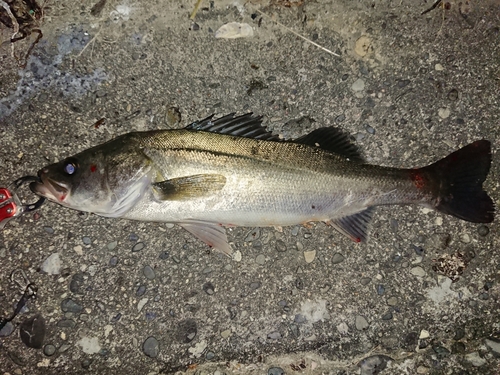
point(49, 189)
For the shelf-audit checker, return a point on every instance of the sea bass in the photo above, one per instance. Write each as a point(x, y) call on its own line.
point(233, 172)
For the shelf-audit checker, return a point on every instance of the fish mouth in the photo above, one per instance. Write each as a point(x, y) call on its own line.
point(50, 189)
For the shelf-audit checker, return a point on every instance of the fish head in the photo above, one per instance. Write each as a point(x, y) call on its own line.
point(106, 180)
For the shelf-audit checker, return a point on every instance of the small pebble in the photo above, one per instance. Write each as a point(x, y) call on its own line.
point(68, 305)
point(438, 67)
point(149, 273)
point(459, 334)
point(52, 265)
point(164, 255)
point(387, 316)
point(307, 235)
point(418, 271)
point(373, 365)
point(7, 329)
point(253, 235)
point(140, 291)
point(260, 260)
point(380, 289)
point(423, 334)
point(418, 250)
point(255, 285)
point(49, 230)
point(49, 350)
point(274, 335)
point(369, 129)
point(138, 247)
point(237, 256)
point(361, 323)
point(295, 231)
point(493, 344)
point(444, 113)
point(337, 258)
point(66, 323)
point(309, 256)
point(186, 331)
point(365, 280)
point(78, 249)
point(475, 359)
point(86, 240)
point(210, 355)
point(275, 371)
point(225, 334)
point(465, 238)
point(453, 95)
point(299, 318)
point(209, 288)
point(112, 245)
point(340, 118)
point(141, 304)
point(280, 246)
point(151, 347)
point(458, 347)
point(483, 230)
point(392, 301)
point(116, 318)
point(113, 261)
point(358, 85)
point(86, 363)
point(133, 237)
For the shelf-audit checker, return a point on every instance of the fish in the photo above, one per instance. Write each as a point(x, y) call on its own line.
point(232, 171)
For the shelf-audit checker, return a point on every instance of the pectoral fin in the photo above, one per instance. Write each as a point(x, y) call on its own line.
point(354, 226)
point(189, 187)
point(214, 235)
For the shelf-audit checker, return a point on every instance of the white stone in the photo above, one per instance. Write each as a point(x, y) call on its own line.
point(358, 85)
point(141, 304)
point(438, 67)
point(444, 113)
point(475, 359)
point(90, 345)
point(52, 265)
point(198, 349)
point(423, 334)
point(418, 271)
point(343, 328)
point(233, 30)
point(237, 256)
point(309, 255)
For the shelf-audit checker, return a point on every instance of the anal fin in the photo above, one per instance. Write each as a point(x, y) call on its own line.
point(354, 226)
point(213, 234)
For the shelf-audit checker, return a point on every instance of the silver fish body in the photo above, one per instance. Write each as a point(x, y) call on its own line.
point(231, 172)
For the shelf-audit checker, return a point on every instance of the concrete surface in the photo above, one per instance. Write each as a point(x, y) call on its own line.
point(410, 88)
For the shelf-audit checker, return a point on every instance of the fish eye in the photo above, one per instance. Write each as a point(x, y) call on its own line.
point(70, 167)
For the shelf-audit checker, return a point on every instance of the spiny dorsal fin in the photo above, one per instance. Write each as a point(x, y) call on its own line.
point(189, 187)
point(332, 140)
point(354, 226)
point(246, 125)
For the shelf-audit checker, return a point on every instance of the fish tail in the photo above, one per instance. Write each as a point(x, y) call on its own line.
point(456, 183)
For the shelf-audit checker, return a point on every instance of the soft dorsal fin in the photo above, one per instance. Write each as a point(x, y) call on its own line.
point(333, 140)
point(247, 125)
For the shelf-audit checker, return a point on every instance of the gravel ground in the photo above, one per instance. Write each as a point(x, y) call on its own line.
point(121, 297)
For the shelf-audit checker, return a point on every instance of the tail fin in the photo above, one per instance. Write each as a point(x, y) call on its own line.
point(458, 183)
